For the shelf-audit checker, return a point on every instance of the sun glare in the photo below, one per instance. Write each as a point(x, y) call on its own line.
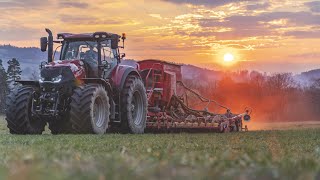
point(228, 57)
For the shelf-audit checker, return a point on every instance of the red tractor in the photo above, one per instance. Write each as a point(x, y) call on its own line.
point(85, 91)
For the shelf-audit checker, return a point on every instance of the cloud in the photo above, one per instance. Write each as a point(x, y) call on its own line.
point(298, 18)
point(313, 6)
point(31, 4)
point(234, 35)
point(312, 55)
point(257, 6)
point(261, 25)
point(212, 3)
point(304, 34)
point(19, 33)
point(68, 4)
point(157, 16)
point(75, 19)
point(91, 20)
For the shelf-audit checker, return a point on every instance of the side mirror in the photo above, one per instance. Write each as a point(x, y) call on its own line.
point(43, 44)
point(42, 65)
point(114, 41)
point(123, 55)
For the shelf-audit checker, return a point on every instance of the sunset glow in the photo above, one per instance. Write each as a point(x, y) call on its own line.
point(228, 57)
point(265, 33)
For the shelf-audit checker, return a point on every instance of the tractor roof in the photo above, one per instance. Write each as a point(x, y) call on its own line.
point(159, 61)
point(85, 35)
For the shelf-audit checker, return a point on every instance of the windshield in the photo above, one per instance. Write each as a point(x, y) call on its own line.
point(87, 50)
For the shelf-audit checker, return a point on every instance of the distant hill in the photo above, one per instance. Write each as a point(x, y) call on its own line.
point(27, 54)
point(29, 58)
point(307, 78)
point(312, 74)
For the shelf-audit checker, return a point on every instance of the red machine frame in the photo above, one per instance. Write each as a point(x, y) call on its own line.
point(166, 102)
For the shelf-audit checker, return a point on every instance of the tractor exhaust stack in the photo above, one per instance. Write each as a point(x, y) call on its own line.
point(50, 45)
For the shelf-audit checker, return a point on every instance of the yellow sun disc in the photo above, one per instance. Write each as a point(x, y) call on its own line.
point(228, 57)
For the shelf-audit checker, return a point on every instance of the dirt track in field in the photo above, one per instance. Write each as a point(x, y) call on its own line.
point(256, 126)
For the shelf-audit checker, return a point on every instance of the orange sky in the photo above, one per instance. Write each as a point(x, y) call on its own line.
point(268, 35)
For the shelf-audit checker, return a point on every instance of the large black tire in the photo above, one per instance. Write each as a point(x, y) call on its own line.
point(18, 113)
point(61, 126)
point(133, 106)
point(90, 109)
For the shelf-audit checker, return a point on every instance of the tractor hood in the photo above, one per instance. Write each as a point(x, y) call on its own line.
point(76, 66)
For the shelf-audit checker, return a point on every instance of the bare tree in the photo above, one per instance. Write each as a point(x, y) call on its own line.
point(280, 82)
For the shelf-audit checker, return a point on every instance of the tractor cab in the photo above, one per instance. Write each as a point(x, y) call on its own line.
point(89, 52)
point(98, 52)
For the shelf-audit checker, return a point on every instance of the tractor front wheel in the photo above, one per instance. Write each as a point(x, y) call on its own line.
point(134, 106)
point(90, 109)
point(61, 126)
point(18, 113)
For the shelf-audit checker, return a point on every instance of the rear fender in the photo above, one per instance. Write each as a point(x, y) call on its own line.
point(103, 82)
point(121, 73)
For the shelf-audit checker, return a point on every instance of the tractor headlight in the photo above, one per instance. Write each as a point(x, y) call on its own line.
point(53, 80)
point(41, 79)
point(56, 79)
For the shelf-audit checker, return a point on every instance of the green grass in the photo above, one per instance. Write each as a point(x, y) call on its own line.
point(290, 154)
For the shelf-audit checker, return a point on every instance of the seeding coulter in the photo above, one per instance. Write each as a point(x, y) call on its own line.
point(168, 107)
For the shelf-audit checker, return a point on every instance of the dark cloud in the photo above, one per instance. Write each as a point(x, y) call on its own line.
point(313, 6)
point(298, 18)
point(30, 4)
point(89, 20)
point(23, 4)
point(75, 19)
point(249, 26)
point(213, 3)
point(235, 35)
point(68, 4)
point(18, 33)
point(257, 6)
point(304, 34)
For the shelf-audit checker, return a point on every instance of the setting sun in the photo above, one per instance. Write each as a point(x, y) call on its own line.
point(228, 57)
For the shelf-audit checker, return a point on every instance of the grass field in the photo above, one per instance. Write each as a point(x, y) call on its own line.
point(287, 154)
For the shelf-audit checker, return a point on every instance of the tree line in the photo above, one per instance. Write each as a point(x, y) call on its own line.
point(273, 97)
point(8, 78)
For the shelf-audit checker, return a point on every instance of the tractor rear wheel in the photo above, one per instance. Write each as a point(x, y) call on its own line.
point(134, 106)
point(90, 109)
point(18, 113)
